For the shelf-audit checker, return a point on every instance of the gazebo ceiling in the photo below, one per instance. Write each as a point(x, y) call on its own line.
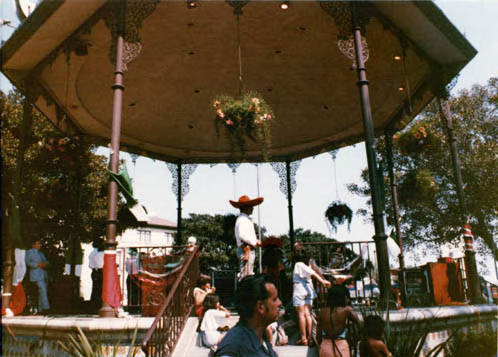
point(189, 56)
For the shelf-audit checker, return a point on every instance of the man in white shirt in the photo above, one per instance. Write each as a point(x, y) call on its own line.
point(96, 263)
point(245, 234)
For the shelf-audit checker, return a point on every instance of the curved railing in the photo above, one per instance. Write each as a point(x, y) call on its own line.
point(168, 325)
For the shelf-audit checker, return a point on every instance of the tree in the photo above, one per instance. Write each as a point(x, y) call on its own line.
point(216, 238)
point(63, 188)
point(422, 162)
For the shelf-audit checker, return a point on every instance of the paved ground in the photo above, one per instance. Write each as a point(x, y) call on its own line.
point(188, 345)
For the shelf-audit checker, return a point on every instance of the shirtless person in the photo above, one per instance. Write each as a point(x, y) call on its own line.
point(331, 326)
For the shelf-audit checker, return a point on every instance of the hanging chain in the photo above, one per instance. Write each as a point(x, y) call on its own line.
point(240, 55)
point(335, 178)
point(407, 82)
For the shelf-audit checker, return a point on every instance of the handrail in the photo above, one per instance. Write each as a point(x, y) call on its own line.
point(168, 324)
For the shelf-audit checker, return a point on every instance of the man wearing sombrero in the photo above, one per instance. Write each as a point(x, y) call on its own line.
point(245, 234)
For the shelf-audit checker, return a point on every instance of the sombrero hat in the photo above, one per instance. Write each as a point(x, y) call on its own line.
point(245, 201)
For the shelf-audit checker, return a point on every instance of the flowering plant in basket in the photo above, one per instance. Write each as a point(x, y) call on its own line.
point(338, 213)
point(419, 138)
point(248, 117)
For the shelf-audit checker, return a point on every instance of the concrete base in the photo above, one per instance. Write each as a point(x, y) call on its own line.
point(39, 335)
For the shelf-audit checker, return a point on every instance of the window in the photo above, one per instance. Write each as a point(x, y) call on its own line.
point(144, 235)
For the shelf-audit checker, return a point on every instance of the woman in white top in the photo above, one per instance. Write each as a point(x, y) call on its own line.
point(303, 295)
point(212, 328)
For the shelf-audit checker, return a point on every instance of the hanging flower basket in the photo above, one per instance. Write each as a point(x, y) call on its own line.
point(338, 213)
point(418, 185)
point(419, 138)
point(248, 117)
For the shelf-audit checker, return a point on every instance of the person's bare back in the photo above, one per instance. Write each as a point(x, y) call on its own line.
point(334, 323)
point(372, 347)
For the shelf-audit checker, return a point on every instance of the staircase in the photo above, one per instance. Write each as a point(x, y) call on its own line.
point(189, 343)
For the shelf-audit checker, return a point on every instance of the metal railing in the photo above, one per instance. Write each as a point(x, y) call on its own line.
point(343, 258)
point(165, 331)
point(129, 267)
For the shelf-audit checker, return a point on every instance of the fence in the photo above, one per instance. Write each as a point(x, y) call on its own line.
point(165, 331)
point(146, 275)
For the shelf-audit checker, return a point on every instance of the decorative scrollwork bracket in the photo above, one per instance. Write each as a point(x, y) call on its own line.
point(342, 13)
point(281, 169)
point(136, 11)
point(186, 171)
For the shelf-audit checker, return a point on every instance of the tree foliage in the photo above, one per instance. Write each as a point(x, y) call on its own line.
point(216, 238)
point(428, 200)
point(64, 185)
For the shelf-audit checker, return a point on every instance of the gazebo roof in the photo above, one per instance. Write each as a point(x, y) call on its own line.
point(189, 56)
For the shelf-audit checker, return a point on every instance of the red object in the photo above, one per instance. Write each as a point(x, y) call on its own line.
point(199, 311)
point(468, 237)
point(445, 260)
point(245, 201)
point(447, 284)
point(272, 241)
point(17, 300)
point(111, 290)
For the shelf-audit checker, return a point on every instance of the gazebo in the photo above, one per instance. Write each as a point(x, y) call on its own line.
point(308, 59)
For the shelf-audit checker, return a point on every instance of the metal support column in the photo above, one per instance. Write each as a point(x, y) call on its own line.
point(110, 268)
point(470, 259)
point(179, 209)
point(289, 200)
point(378, 214)
point(394, 195)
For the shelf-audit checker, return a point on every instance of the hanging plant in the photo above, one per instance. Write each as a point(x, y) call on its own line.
point(419, 138)
point(338, 213)
point(248, 117)
point(418, 185)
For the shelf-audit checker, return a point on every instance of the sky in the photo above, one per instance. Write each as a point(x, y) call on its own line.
point(319, 180)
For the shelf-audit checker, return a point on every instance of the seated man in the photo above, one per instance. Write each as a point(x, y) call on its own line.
point(258, 306)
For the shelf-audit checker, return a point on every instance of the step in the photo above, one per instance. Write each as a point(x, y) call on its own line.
point(189, 344)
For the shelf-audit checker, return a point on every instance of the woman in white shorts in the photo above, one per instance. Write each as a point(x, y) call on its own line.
point(303, 295)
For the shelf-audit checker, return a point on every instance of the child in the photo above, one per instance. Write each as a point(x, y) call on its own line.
point(372, 345)
point(211, 326)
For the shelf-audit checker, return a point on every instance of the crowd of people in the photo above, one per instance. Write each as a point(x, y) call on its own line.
point(257, 298)
point(258, 303)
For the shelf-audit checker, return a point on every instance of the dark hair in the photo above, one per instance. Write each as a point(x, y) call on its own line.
point(337, 296)
point(203, 280)
point(302, 256)
point(373, 327)
point(250, 290)
point(272, 257)
point(210, 302)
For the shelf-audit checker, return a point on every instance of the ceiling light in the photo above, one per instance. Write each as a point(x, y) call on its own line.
point(401, 88)
point(284, 5)
point(397, 58)
point(191, 4)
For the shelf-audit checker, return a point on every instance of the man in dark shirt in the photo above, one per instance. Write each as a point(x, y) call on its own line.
point(258, 305)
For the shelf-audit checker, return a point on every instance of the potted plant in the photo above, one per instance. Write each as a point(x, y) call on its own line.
point(248, 117)
point(419, 138)
point(337, 213)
